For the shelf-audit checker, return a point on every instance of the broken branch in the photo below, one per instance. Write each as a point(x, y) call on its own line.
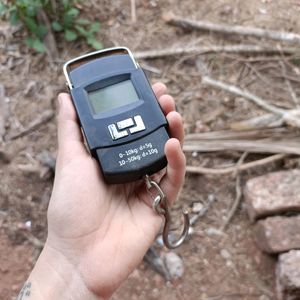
point(287, 146)
point(228, 29)
point(190, 50)
point(242, 167)
point(3, 112)
point(42, 119)
point(238, 192)
point(288, 115)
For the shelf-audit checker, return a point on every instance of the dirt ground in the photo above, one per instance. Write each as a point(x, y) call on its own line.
point(31, 84)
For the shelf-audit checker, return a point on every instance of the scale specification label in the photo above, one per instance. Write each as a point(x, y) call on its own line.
point(136, 154)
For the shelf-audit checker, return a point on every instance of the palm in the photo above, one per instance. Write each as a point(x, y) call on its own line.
point(114, 220)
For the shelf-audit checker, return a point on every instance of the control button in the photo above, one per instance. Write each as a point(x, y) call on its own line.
point(115, 134)
point(125, 123)
point(139, 125)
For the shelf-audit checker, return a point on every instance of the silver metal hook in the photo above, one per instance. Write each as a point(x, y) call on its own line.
point(183, 235)
point(160, 205)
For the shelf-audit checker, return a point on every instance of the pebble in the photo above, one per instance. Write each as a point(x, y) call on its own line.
point(197, 207)
point(225, 254)
point(174, 265)
point(28, 224)
point(211, 231)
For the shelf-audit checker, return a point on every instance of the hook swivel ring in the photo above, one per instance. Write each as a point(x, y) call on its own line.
point(160, 205)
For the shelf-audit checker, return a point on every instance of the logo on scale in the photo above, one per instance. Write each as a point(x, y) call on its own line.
point(121, 128)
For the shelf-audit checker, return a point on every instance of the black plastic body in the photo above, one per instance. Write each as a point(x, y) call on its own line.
point(128, 158)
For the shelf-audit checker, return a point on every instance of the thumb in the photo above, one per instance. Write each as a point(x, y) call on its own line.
point(70, 140)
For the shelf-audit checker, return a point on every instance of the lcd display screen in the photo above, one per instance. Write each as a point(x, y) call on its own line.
point(113, 96)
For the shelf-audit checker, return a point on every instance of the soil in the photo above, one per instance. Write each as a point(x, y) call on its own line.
point(32, 83)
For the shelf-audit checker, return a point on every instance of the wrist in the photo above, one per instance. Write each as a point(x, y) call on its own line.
point(54, 277)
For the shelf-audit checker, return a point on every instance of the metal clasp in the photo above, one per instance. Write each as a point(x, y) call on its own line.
point(160, 205)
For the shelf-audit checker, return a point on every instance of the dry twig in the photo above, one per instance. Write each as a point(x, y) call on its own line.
point(267, 120)
point(242, 167)
point(197, 50)
point(288, 84)
point(3, 112)
point(50, 42)
point(227, 29)
point(289, 116)
point(133, 11)
point(238, 192)
point(42, 119)
point(253, 134)
point(288, 146)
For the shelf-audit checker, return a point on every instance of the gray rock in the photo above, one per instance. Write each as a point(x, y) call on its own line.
point(273, 193)
point(278, 234)
point(174, 265)
point(288, 276)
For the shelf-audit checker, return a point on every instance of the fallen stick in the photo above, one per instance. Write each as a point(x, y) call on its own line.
point(288, 84)
point(288, 116)
point(267, 120)
point(42, 119)
point(252, 146)
point(238, 192)
point(241, 168)
point(279, 132)
point(282, 36)
point(189, 50)
point(49, 39)
point(133, 11)
point(3, 112)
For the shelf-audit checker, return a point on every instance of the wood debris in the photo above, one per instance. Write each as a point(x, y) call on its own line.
point(292, 117)
point(282, 36)
point(3, 112)
point(43, 118)
point(197, 50)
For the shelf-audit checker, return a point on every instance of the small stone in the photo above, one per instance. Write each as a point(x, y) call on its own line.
point(197, 207)
point(28, 224)
point(288, 276)
point(278, 234)
point(174, 265)
point(225, 254)
point(201, 127)
point(263, 11)
point(273, 193)
point(213, 231)
point(264, 297)
point(194, 154)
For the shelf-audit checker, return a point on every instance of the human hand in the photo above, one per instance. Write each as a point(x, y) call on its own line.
point(99, 233)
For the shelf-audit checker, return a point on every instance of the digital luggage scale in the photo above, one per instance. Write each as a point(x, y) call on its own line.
point(121, 119)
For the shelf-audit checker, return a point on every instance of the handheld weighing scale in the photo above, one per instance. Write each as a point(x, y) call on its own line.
point(123, 124)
